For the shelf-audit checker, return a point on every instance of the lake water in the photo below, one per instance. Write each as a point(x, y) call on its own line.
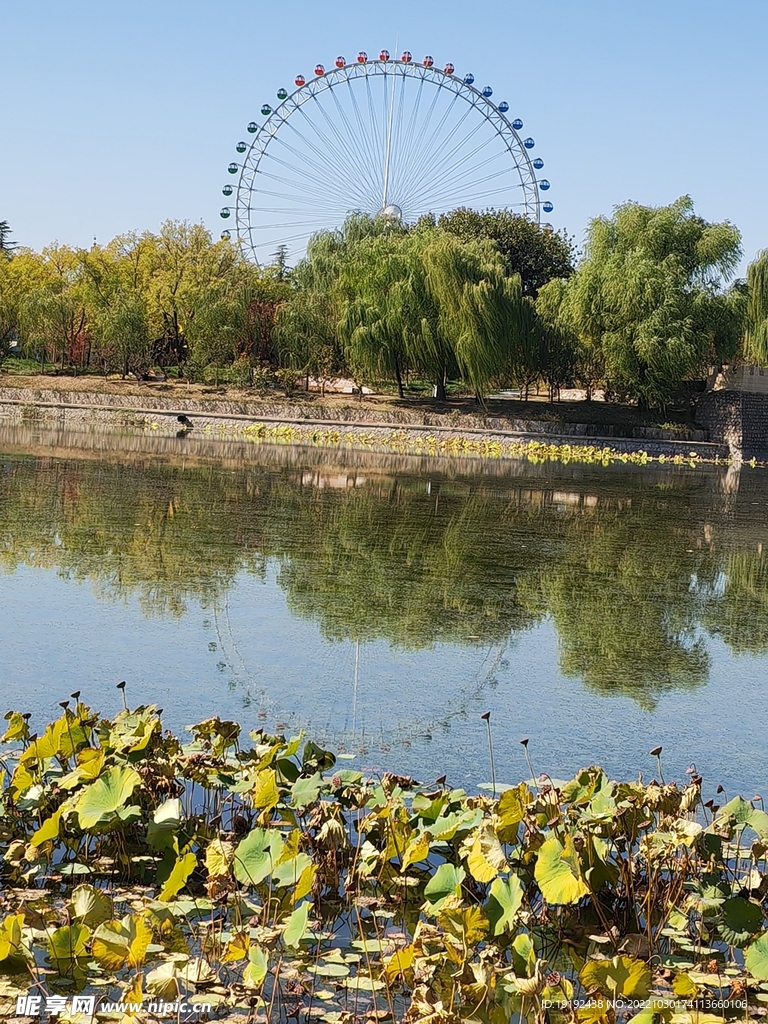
point(383, 604)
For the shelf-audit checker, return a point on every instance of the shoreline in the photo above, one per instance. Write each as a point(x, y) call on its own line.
point(285, 423)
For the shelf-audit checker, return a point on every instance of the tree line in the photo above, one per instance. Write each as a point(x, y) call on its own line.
point(489, 299)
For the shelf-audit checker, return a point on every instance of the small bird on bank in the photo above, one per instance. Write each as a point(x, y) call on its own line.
point(185, 421)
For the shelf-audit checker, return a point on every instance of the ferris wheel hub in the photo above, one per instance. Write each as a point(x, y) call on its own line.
point(391, 212)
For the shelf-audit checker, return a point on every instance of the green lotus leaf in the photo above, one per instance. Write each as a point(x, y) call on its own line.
point(258, 965)
point(90, 906)
point(288, 872)
point(445, 882)
point(305, 790)
point(296, 926)
point(67, 945)
point(256, 854)
point(741, 919)
point(558, 872)
point(504, 901)
point(105, 796)
point(756, 958)
point(621, 976)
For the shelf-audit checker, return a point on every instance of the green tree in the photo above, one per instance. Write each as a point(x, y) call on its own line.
point(756, 326)
point(420, 299)
point(537, 254)
point(188, 271)
point(6, 245)
point(650, 295)
point(122, 331)
point(18, 277)
point(306, 336)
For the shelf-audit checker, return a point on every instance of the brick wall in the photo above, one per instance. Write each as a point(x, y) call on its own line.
point(736, 418)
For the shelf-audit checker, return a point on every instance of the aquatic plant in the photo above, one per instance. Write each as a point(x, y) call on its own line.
point(266, 876)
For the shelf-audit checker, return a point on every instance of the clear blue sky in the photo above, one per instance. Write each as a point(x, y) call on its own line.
point(115, 115)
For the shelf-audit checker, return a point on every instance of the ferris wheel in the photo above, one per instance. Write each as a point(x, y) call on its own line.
point(395, 138)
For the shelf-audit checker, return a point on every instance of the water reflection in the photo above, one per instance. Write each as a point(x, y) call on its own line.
point(636, 567)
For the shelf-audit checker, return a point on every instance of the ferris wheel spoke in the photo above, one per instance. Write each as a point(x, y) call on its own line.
point(451, 166)
point(399, 119)
point(464, 171)
point(453, 172)
point(378, 138)
point(322, 169)
point(302, 157)
point(410, 134)
point(304, 192)
point(296, 198)
point(354, 187)
point(427, 151)
point(367, 147)
point(421, 131)
point(404, 136)
point(338, 135)
point(359, 153)
point(416, 173)
point(466, 191)
point(450, 202)
point(346, 182)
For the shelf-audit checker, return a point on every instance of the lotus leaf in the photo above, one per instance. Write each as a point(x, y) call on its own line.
point(444, 884)
point(288, 872)
point(296, 925)
point(163, 981)
point(90, 906)
point(177, 879)
point(400, 961)
point(256, 855)
point(99, 801)
point(264, 794)
point(117, 943)
point(258, 965)
point(621, 976)
point(68, 945)
point(130, 731)
point(219, 857)
point(305, 790)
point(161, 831)
point(197, 972)
point(558, 872)
point(505, 900)
point(740, 920)
point(756, 958)
point(743, 813)
point(11, 938)
point(485, 858)
point(416, 850)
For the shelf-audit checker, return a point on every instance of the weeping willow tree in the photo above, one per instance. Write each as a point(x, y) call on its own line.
point(480, 311)
point(416, 300)
point(651, 297)
point(428, 301)
point(379, 309)
point(305, 332)
point(756, 332)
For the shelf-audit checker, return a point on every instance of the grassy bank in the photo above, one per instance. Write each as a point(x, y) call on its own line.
point(268, 879)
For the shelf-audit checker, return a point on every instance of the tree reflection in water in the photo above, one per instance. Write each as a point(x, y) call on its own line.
point(634, 566)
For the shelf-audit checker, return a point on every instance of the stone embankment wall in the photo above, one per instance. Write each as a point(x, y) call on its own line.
point(85, 410)
point(736, 418)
